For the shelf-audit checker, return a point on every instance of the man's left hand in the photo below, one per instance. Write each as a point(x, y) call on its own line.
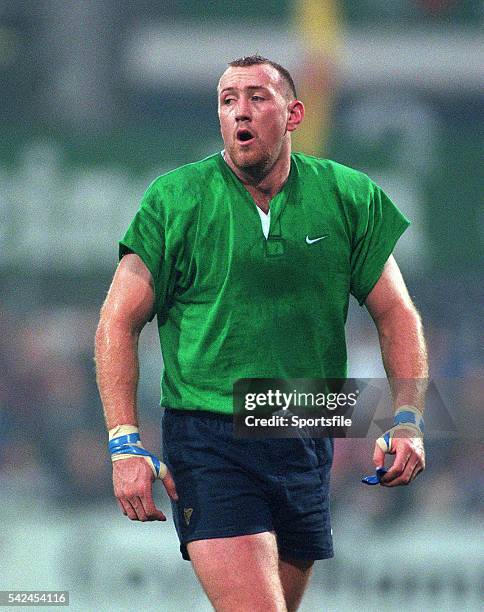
point(409, 458)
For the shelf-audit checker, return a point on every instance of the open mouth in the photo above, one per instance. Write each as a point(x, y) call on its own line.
point(244, 135)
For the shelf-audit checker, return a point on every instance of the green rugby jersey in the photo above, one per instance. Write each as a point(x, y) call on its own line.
point(232, 304)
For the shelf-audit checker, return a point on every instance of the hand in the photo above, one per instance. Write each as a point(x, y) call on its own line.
point(409, 458)
point(132, 480)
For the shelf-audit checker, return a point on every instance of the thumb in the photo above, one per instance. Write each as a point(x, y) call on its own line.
point(378, 457)
point(170, 486)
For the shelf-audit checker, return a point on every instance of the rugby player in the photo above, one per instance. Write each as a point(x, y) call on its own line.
point(248, 259)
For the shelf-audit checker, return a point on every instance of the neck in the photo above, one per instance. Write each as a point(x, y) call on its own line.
point(263, 186)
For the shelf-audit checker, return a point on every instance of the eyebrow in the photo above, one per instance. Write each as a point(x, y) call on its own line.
point(249, 87)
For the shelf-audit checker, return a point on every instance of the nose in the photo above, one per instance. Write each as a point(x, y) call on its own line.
point(242, 111)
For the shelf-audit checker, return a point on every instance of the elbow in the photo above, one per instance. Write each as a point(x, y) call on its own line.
point(403, 321)
point(401, 328)
point(100, 338)
point(415, 320)
point(111, 330)
point(402, 315)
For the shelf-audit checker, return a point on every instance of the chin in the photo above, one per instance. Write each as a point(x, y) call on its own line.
point(247, 160)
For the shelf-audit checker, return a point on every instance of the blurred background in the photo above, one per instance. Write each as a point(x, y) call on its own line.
point(99, 97)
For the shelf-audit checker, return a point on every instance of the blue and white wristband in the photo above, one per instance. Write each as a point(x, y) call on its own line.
point(125, 442)
point(406, 417)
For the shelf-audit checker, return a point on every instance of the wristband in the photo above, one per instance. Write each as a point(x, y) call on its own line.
point(124, 442)
point(406, 417)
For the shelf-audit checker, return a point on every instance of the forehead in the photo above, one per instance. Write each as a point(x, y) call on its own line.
point(236, 77)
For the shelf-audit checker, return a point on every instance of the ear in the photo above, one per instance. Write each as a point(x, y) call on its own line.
point(295, 112)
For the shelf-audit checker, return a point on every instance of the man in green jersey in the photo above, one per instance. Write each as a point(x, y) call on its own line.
point(248, 259)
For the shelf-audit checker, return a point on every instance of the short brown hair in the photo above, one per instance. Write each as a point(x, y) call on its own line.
point(253, 60)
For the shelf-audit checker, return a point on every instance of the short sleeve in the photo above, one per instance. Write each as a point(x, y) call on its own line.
point(379, 225)
point(145, 237)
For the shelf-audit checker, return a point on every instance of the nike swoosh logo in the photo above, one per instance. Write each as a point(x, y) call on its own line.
point(309, 241)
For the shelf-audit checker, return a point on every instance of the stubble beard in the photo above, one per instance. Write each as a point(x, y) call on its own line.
point(256, 164)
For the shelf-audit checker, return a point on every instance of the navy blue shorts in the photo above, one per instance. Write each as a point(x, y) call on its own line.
point(229, 487)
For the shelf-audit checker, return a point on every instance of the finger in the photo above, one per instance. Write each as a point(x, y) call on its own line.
point(401, 458)
point(170, 486)
point(139, 509)
point(122, 508)
point(417, 470)
point(409, 452)
point(129, 510)
point(151, 511)
point(378, 457)
point(406, 475)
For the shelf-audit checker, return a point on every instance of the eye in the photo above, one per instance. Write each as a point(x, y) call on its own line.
point(257, 98)
point(227, 101)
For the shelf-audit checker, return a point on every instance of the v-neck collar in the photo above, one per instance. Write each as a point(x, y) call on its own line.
point(277, 203)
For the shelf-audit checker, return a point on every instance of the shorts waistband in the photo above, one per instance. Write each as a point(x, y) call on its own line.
point(200, 414)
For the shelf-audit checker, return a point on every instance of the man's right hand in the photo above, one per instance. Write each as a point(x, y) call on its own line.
point(133, 480)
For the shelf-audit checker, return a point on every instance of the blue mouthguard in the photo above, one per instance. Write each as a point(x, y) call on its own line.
point(374, 480)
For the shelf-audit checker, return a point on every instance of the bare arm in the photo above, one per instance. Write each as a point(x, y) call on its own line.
point(405, 359)
point(401, 337)
point(128, 306)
